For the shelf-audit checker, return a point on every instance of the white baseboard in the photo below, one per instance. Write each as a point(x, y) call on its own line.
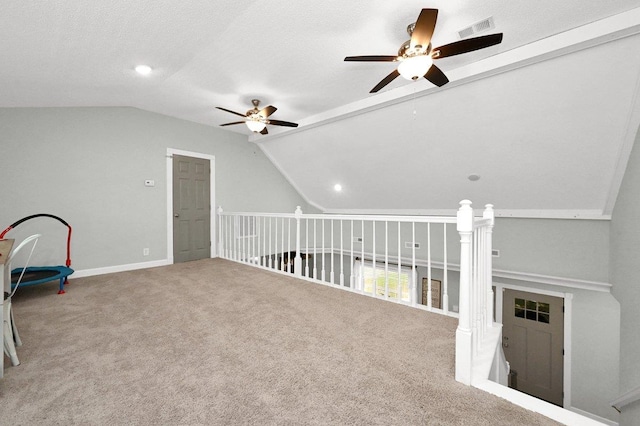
point(119, 268)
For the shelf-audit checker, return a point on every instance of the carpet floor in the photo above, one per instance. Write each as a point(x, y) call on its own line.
point(214, 342)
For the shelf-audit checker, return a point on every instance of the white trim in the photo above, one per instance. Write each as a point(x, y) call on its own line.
point(515, 214)
point(288, 178)
point(568, 351)
point(556, 281)
point(568, 309)
point(212, 198)
point(531, 403)
point(119, 268)
point(626, 399)
point(586, 36)
point(632, 127)
point(593, 416)
point(498, 273)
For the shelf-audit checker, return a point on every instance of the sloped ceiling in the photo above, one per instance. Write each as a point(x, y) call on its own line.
point(546, 119)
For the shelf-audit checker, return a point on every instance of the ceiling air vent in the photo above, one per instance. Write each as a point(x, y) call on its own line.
point(478, 27)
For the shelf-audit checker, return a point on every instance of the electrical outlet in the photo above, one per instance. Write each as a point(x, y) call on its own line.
point(145, 251)
point(495, 253)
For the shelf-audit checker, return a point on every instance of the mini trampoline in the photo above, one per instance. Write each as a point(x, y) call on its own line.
point(43, 274)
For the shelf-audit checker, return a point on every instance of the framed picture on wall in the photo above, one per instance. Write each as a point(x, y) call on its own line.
point(436, 293)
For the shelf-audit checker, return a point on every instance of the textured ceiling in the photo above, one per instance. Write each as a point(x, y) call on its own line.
point(546, 118)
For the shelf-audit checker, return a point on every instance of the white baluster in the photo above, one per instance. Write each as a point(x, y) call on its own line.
point(288, 268)
point(351, 281)
point(315, 255)
point(474, 291)
point(230, 233)
point(264, 241)
point(297, 263)
point(322, 272)
point(429, 294)
point(414, 288)
point(400, 285)
point(341, 253)
point(361, 281)
point(306, 230)
point(235, 237)
point(271, 265)
point(331, 273)
point(374, 286)
point(489, 214)
point(386, 261)
point(445, 274)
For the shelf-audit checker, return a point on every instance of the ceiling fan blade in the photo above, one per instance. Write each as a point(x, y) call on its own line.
point(388, 79)
point(232, 112)
point(264, 131)
point(468, 45)
point(235, 122)
point(436, 76)
point(283, 123)
point(267, 111)
point(371, 58)
point(423, 30)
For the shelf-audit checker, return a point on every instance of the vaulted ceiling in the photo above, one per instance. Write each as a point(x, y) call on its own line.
point(546, 119)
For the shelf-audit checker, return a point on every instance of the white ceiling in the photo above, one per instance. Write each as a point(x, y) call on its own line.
point(546, 118)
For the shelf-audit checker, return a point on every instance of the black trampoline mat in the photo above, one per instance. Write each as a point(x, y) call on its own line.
point(34, 275)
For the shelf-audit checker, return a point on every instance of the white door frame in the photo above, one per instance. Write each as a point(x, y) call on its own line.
point(212, 198)
point(568, 298)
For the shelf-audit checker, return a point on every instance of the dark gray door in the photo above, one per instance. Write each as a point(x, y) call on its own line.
point(533, 340)
point(191, 209)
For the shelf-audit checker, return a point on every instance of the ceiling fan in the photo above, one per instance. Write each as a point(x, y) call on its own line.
point(257, 119)
point(416, 55)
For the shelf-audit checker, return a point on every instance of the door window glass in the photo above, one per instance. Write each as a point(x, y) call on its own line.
point(532, 310)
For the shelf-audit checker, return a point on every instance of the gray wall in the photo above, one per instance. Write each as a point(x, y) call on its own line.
point(88, 166)
point(566, 248)
point(625, 277)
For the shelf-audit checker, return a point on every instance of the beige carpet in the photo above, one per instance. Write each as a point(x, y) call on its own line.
point(217, 343)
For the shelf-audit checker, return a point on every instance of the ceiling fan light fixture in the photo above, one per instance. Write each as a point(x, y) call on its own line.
point(415, 67)
point(255, 125)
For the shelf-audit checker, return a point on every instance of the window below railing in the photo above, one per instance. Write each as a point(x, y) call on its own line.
point(386, 281)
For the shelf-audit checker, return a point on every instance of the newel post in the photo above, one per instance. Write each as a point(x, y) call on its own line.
point(489, 214)
point(220, 239)
point(297, 262)
point(463, 333)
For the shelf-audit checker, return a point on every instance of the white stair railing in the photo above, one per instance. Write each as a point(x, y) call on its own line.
point(383, 257)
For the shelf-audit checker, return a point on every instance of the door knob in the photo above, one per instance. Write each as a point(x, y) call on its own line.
point(176, 215)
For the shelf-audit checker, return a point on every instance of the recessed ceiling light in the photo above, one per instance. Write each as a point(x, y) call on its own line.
point(473, 177)
point(143, 69)
point(337, 187)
